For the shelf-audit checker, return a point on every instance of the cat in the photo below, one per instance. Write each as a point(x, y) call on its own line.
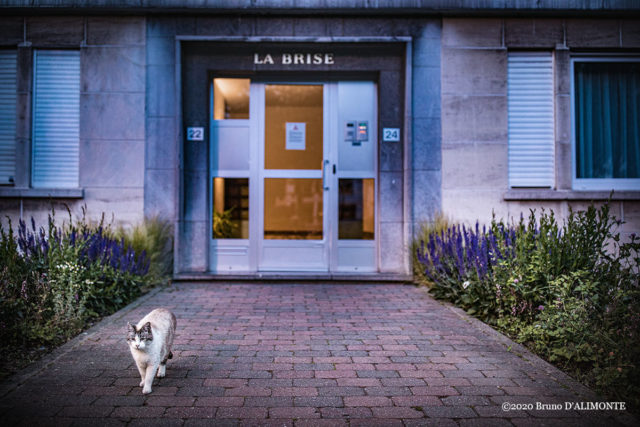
point(150, 344)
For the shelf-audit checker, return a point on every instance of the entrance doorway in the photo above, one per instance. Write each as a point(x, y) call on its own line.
point(293, 170)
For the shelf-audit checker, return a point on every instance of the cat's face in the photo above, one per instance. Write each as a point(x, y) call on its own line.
point(139, 338)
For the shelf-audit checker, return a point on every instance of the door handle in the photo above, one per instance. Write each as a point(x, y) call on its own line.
point(324, 175)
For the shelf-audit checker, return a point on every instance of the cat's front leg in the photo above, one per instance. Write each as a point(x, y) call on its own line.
point(148, 379)
point(142, 369)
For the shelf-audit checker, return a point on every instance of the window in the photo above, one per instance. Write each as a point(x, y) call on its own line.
point(530, 119)
point(230, 159)
point(56, 119)
point(8, 91)
point(606, 106)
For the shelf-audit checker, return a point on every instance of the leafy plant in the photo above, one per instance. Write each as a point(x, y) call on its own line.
point(569, 291)
point(154, 237)
point(55, 280)
point(224, 226)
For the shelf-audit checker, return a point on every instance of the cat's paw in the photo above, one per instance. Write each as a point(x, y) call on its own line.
point(146, 390)
point(142, 383)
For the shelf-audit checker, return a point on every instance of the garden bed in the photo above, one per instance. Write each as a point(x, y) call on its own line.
point(569, 292)
point(56, 281)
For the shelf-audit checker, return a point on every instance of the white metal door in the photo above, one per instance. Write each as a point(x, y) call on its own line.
point(295, 155)
point(302, 164)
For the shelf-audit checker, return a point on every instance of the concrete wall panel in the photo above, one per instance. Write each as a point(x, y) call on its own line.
point(474, 166)
point(533, 33)
point(195, 259)
point(469, 206)
point(473, 119)
point(159, 185)
point(119, 30)
point(427, 135)
point(111, 163)
point(630, 32)
point(161, 136)
point(488, 76)
point(583, 33)
point(100, 112)
point(109, 69)
point(55, 32)
point(470, 33)
point(390, 196)
point(12, 32)
point(393, 254)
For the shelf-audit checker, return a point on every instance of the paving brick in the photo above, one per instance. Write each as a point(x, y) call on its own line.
point(400, 382)
point(294, 391)
point(315, 382)
point(387, 391)
point(248, 391)
point(449, 412)
point(396, 412)
point(416, 401)
point(219, 401)
point(434, 391)
point(431, 422)
point(340, 391)
point(377, 374)
point(359, 382)
point(242, 413)
point(138, 412)
point(289, 354)
point(484, 390)
point(348, 413)
point(296, 412)
point(381, 422)
point(86, 411)
point(200, 412)
point(370, 401)
point(268, 402)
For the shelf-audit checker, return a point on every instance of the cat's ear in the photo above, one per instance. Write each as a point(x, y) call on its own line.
point(131, 332)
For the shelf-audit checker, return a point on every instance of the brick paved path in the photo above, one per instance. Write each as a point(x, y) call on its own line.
point(285, 355)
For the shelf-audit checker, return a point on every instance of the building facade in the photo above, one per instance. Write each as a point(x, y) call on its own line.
point(311, 139)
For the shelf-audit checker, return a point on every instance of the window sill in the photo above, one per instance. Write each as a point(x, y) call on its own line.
point(42, 193)
point(527, 194)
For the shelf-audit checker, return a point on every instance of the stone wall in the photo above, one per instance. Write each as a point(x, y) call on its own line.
point(112, 115)
point(474, 113)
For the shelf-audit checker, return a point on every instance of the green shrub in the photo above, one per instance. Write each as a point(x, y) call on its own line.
point(154, 237)
point(55, 280)
point(569, 291)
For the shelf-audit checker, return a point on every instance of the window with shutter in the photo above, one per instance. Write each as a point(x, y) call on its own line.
point(531, 119)
point(8, 90)
point(56, 119)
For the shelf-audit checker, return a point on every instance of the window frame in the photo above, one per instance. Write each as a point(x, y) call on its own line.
point(595, 184)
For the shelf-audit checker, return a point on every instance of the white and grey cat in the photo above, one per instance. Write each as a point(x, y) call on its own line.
point(150, 344)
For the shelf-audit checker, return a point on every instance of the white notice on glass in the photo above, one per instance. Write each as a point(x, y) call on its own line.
point(296, 136)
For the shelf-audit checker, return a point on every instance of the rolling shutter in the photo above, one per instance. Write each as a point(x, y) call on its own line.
point(8, 90)
point(56, 119)
point(531, 119)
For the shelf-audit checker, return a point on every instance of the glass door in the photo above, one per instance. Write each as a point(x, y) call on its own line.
point(293, 177)
point(295, 158)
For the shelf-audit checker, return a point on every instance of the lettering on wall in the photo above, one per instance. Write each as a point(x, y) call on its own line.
point(294, 59)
